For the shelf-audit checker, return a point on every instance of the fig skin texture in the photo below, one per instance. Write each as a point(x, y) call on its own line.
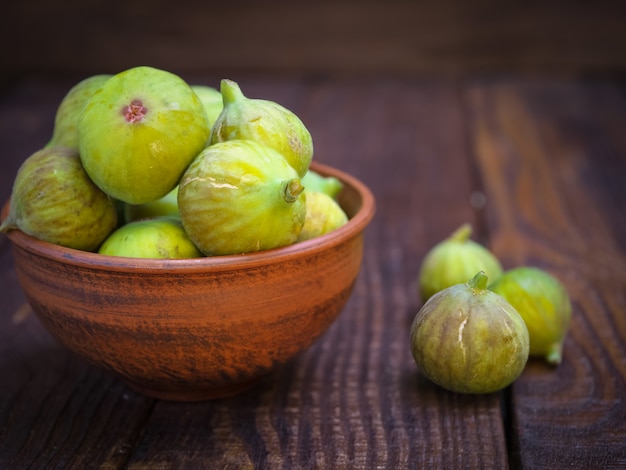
point(240, 196)
point(157, 238)
point(468, 339)
point(139, 132)
point(455, 260)
point(265, 122)
point(323, 215)
point(65, 132)
point(543, 303)
point(54, 200)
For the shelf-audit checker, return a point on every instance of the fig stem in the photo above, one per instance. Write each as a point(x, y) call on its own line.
point(462, 234)
point(554, 354)
point(292, 189)
point(230, 91)
point(478, 283)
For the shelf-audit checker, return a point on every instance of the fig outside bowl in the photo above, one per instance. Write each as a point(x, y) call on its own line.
point(197, 329)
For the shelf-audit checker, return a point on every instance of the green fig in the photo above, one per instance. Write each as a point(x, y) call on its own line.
point(163, 207)
point(468, 339)
point(314, 181)
point(139, 132)
point(54, 200)
point(543, 303)
point(240, 196)
point(211, 99)
point(453, 261)
point(323, 215)
point(65, 132)
point(265, 122)
point(157, 238)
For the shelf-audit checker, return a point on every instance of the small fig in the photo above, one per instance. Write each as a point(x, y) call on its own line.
point(453, 261)
point(157, 238)
point(543, 303)
point(65, 132)
point(323, 215)
point(212, 101)
point(54, 200)
point(468, 339)
point(314, 181)
point(167, 206)
point(240, 196)
point(265, 122)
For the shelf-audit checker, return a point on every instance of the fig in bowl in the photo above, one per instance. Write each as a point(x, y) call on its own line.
point(200, 328)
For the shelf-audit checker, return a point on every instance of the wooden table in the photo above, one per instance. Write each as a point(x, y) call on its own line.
point(536, 165)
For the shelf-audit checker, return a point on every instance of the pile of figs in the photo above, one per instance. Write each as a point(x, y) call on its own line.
point(479, 324)
point(143, 164)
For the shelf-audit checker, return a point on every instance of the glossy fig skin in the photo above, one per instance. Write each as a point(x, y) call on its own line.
point(139, 132)
point(239, 197)
point(155, 238)
point(468, 339)
point(53, 199)
point(455, 260)
point(265, 122)
point(544, 304)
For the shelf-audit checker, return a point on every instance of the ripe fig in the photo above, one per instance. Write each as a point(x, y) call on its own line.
point(543, 303)
point(468, 339)
point(65, 131)
point(323, 215)
point(157, 238)
point(314, 181)
point(139, 132)
point(265, 122)
point(240, 196)
point(453, 261)
point(167, 206)
point(54, 200)
point(211, 99)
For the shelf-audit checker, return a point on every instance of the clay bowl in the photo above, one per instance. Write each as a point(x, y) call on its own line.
point(198, 329)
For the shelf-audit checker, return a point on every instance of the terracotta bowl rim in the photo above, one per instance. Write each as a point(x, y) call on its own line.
point(83, 259)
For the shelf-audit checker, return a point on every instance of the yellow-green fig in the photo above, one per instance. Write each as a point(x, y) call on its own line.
point(453, 261)
point(323, 215)
point(167, 206)
point(468, 339)
point(240, 196)
point(543, 303)
point(265, 122)
point(139, 132)
point(211, 99)
point(54, 200)
point(156, 238)
point(314, 181)
point(65, 132)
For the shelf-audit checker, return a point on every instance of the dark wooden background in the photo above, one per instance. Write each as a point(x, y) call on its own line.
point(313, 37)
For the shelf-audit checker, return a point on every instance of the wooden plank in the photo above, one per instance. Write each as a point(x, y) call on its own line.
point(355, 399)
point(349, 36)
point(552, 157)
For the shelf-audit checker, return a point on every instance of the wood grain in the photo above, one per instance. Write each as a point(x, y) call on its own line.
point(544, 158)
point(535, 164)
